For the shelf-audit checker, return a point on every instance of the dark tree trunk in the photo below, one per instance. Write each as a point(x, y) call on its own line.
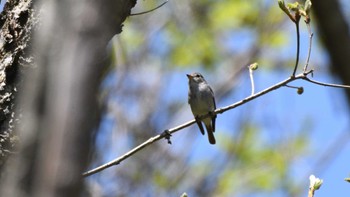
point(16, 32)
point(336, 37)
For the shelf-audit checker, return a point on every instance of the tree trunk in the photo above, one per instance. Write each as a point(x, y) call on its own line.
point(17, 21)
point(336, 37)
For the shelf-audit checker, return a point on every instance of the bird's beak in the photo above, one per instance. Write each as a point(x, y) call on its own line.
point(189, 76)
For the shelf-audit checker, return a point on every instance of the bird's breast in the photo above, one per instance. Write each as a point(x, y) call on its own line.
point(201, 102)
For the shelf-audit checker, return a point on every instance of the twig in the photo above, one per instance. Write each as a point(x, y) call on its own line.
point(251, 68)
point(326, 84)
point(289, 86)
point(311, 192)
point(145, 12)
point(310, 45)
point(252, 80)
point(298, 44)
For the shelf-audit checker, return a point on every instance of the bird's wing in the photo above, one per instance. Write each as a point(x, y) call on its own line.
point(212, 93)
point(214, 117)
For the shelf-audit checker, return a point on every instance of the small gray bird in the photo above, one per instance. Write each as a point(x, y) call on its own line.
point(202, 101)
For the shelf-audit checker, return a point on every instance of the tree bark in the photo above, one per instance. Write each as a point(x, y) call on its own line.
point(16, 22)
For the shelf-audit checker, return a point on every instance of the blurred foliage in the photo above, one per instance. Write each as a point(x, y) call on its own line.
point(203, 33)
point(219, 37)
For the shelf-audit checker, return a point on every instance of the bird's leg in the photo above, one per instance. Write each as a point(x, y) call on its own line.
point(166, 134)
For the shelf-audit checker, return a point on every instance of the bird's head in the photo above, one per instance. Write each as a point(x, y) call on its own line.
point(195, 77)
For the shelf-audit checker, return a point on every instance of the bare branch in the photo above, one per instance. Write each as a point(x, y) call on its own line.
point(326, 84)
point(300, 90)
point(151, 10)
point(252, 80)
point(298, 44)
point(310, 45)
point(251, 68)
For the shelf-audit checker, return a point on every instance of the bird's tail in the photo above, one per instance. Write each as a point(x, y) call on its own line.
point(210, 132)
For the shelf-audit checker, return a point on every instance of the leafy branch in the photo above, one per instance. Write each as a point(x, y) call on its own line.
point(295, 12)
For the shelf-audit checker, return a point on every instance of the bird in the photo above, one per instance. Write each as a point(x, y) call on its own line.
point(202, 101)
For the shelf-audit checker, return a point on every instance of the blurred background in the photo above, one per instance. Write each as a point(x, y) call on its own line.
point(267, 147)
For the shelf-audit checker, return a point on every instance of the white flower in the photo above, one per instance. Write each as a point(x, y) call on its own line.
point(315, 182)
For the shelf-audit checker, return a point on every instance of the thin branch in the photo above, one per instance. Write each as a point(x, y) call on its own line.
point(151, 10)
point(311, 192)
point(252, 80)
point(298, 44)
point(251, 68)
point(326, 84)
point(289, 86)
point(310, 45)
